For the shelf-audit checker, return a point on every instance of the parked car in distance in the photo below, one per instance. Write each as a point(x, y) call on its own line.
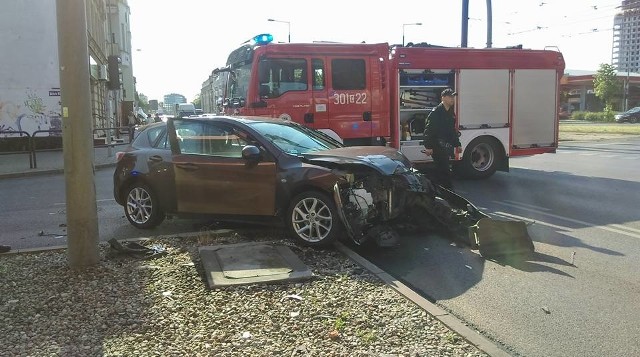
point(630, 116)
point(265, 170)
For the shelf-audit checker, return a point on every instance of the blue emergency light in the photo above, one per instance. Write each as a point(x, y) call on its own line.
point(263, 39)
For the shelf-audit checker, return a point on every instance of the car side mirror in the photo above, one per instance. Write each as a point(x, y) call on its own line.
point(251, 153)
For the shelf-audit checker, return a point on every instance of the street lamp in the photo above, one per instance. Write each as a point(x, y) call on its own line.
point(284, 22)
point(413, 24)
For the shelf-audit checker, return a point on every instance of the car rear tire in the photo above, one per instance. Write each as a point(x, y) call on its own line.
point(312, 219)
point(480, 159)
point(141, 207)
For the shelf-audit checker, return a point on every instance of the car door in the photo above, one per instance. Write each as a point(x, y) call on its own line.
point(211, 177)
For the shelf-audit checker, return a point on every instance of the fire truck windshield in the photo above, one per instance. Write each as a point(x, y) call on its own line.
point(237, 85)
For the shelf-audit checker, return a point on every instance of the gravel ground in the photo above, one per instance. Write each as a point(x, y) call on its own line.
point(162, 307)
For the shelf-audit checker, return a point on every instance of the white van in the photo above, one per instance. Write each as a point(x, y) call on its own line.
point(185, 109)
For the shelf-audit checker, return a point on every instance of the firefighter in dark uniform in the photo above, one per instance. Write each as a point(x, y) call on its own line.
point(441, 137)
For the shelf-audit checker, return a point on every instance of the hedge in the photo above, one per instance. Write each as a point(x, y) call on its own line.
point(593, 116)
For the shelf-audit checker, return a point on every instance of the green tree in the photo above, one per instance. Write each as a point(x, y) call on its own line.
point(197, 102)
point(607, 86)
point(143, 102)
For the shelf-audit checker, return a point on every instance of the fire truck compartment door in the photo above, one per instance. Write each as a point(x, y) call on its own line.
point(484, 98)
point(534, 108)
point(349, 97)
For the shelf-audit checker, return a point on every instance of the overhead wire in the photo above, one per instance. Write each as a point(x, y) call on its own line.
point(596, 9)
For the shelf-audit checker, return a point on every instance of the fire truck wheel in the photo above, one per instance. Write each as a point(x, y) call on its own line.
point(480, 159)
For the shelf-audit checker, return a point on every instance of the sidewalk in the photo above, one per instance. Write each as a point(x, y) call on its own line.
point(49, 162)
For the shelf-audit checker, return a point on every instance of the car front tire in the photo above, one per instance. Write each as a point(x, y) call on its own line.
point(141, 207)
point(312, 219)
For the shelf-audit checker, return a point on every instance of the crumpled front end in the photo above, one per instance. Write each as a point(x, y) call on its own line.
point(373, 206)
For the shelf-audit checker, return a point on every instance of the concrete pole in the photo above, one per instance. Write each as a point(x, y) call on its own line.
point(77, 138)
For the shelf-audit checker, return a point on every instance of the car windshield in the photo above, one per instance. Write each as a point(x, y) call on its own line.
point(295, 139)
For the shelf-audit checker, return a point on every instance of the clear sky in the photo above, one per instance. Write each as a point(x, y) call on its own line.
point(176, 44)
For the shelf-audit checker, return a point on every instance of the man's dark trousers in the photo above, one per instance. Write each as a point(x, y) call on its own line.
point(443, 171)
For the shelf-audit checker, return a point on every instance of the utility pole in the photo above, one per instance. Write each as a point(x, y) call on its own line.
point(465, 23)
point(489, 25)
point(77, 138)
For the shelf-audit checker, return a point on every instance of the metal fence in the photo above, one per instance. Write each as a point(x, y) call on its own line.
point(31, 144)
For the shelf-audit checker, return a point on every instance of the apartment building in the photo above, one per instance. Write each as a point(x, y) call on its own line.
point(29, 71)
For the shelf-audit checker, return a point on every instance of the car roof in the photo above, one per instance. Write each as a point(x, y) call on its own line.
point(241, 119)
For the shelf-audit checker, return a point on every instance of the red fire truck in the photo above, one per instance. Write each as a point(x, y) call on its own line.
point(374, 94)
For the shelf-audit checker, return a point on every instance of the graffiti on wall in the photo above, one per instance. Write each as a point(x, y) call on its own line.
point(32, 113)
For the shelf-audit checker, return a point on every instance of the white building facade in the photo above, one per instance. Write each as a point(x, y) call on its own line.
point(29, 73)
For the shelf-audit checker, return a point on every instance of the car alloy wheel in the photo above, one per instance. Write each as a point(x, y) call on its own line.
point(141, 207)
point(313, 218)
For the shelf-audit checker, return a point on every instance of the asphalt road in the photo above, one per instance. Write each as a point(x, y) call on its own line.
point(33, 213)
point(579, 294)
point(583, 200)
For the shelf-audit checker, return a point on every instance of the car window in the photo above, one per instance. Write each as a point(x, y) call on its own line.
point(162, 142)
point(294, 139)
point(201, 138)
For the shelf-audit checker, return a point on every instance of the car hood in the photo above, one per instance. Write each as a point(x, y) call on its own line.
point(384, 159)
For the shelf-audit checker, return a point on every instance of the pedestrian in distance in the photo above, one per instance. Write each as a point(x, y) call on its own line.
point(441, 138)
point(131, 117)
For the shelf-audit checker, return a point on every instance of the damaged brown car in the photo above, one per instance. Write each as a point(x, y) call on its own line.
point(260, 170)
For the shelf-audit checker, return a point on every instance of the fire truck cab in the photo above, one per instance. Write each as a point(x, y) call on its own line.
point(337, 88)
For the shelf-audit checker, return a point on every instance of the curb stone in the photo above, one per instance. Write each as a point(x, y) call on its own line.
point(453, 323)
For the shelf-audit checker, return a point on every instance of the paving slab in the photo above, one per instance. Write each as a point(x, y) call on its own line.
point(250, 263)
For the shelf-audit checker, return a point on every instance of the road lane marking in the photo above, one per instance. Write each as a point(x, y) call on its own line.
point(619, 226)
point(524, 205)
point(614, 228)
point(533, 221)
point(103, 200)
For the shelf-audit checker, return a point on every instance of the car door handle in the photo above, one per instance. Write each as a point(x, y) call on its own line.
point(155, 158)
point(188, 166)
